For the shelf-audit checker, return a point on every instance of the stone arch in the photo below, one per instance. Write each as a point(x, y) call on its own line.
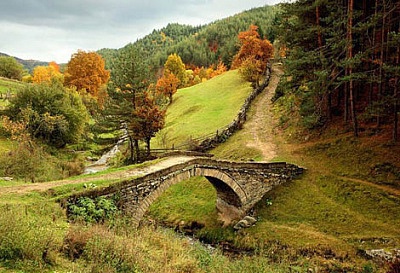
point(230, 196)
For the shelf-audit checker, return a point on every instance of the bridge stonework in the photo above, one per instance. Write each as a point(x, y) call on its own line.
point(239, 185)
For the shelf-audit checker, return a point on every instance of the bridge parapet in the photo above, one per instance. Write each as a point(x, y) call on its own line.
point(239, 185)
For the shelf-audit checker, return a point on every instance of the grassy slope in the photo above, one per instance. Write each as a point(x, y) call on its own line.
point(8, 85)
point(203, 109)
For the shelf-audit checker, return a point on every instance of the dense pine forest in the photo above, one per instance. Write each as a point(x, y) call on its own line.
point(342, 63)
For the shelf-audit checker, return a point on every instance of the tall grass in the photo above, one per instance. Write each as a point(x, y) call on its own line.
point(30, 235)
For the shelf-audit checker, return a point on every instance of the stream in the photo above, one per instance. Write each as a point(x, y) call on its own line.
point(102, 163)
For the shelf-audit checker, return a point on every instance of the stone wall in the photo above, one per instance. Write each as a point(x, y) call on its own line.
point(240, 119)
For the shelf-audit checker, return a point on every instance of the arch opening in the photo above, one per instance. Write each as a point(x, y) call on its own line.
point(230, 197)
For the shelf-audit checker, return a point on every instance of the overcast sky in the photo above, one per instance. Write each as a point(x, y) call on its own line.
point(52, 30)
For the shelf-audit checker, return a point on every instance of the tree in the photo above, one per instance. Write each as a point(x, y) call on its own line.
point(51, 113)
point(167, 85)
point(47, 73)
point(10, 68)
point(147, 120)
point(86, 72)
point(175, 66)
point(254, 52)
point(129, 81)
point(342, 60)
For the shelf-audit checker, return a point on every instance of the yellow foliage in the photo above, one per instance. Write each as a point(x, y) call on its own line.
point(46, 73)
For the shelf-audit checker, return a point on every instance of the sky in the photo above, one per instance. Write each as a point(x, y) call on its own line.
point(52, 30)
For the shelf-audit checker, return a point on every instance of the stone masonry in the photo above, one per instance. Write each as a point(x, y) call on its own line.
point(239, 185)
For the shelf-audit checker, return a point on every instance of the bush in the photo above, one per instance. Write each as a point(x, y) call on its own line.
point(92, 210)
point(53, 114)
point(30, 163)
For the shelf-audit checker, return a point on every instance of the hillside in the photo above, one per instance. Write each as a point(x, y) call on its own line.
point(27, 64)
point(340, 208)
point(202, 45)
point(202, 109)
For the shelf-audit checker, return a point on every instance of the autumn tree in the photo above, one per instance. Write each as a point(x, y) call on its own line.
point(86, 72)
point(254, 53)
point(10, 68)
point(148, 119)
point(175, 66)
point(167, 85)
point(47, 73)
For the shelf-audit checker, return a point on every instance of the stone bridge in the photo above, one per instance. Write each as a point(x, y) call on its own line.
point(239, 185)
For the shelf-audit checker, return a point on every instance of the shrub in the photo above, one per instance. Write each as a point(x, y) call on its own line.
point(93, 210)
point(53, 114)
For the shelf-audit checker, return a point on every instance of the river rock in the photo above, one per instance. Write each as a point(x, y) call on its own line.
point(382, 255)
point(6, 178)
point(246, 222)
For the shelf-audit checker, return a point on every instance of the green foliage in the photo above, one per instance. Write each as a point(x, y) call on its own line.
point(10, 68)
point(53, 114)
point(29, 162)
point(92, 211)
point(29, 236)
point(202, 45)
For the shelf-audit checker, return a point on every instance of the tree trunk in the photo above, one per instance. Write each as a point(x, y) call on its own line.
point(396, 97)
point(381, 82)
point(318, 16)
point(350, 66)
point(132, 149)
point(136, 144)
point(148, 146)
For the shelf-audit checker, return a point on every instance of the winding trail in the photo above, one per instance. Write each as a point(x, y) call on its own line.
point(261, 124)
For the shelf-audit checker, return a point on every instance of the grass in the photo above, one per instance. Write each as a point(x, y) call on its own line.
point(203, 109)
point(7, 85)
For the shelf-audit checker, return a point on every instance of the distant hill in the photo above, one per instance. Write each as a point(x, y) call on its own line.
point(202, 45)
point(28, 64)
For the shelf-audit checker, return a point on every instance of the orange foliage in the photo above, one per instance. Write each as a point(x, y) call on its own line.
point(253, 47)
point(168, 85)
point(55, 66)
point(149, 119)
point(201, 74)
point(86, 71)
point(47, 73)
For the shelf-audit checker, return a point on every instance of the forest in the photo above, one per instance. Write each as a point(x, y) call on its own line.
point(342, 64)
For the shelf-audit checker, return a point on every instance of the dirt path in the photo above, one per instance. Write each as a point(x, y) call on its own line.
point(141, 171)
point(261, 123)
